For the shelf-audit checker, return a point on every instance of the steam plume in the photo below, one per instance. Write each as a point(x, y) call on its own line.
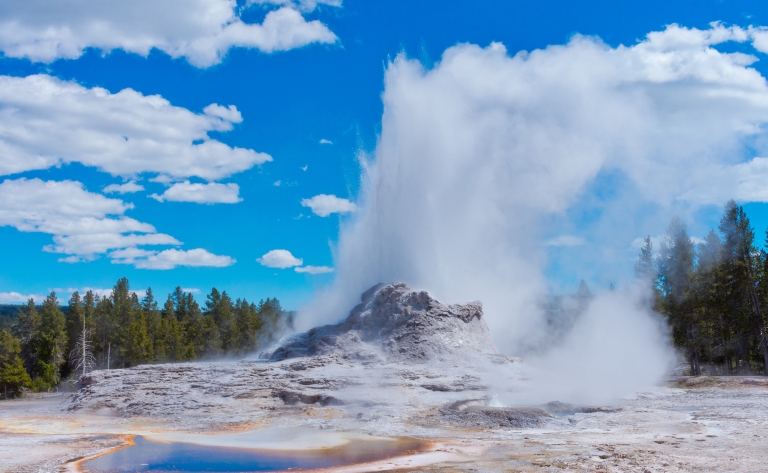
point(482, 155)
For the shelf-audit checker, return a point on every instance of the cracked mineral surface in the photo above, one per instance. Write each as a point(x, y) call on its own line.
point(401, 364)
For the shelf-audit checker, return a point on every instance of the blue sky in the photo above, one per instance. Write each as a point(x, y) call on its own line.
point(289, 101)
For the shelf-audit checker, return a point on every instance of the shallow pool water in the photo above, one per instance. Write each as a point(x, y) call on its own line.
point(151, 456)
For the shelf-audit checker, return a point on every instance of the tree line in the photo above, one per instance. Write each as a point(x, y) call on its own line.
point(50, 343)
point(713, 294)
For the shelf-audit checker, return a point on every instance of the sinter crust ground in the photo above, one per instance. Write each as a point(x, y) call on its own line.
point(401, 364)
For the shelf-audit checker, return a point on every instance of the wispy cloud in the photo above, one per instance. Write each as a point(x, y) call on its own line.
point(127, 188)
point(565, 240)
point(309, 269)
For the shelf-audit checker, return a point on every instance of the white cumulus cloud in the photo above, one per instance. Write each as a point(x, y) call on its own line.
point(127, 188)
point(202, 31)
point(86, 225)
point(45, 121)
point(63, 208)
point(170, 259)
point(211, 193)
point(279, 259)
point(325, 205)
point(17, 297)
point(88, 246)
point(98, 291)
point(323, 141)
point(309, 269)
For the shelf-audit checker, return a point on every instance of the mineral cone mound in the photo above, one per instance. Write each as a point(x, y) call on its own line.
point(401, 325)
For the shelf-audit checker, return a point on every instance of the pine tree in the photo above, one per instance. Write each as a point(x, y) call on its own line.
point(273, 321)
point(154, 325)
point(26, 331)
point(193, 327)
point(740, 267)
point(138, 345)
point(763, 298)
point(248, 324)
point(105, 333)
point(51, 349)
point(707, 297)
point(675, 266)
point(179, 299)
point(644, 269)
point(172, 338)
point(13, 376)
point(219, 307)
point(188, 316)
point(210, 343)
point(123, 313)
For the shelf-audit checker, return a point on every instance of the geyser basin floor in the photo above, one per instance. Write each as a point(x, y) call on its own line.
point(151, 456)
point(698, 425)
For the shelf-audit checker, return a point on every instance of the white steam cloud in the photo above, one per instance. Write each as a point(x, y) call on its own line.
point(480, 154)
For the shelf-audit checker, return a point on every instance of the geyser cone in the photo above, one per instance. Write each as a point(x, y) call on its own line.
point(397, 324)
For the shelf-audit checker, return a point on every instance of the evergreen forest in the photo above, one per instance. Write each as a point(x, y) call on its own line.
point(713, 294)
point(43, 345)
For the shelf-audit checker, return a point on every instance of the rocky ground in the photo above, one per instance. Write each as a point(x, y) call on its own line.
point(710, 425)
point(402, 364)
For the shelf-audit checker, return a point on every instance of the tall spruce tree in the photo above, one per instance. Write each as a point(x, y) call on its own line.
point(123, 312)
point(26, 331)
point(13, 376)
point(139, 347)
point(644, 268)
point(153, 322)
point(248, 325)
point(173, 339)
point(740, 269)
point(219, 307)
point(675, 269)
point(706, 298)
point(52, 344)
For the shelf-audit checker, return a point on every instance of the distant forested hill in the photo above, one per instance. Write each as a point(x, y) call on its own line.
point(9, 314)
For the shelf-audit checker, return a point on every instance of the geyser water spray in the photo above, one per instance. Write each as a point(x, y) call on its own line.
point(486, 154)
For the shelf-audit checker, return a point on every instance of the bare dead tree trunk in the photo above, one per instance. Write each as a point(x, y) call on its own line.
point(81, 358)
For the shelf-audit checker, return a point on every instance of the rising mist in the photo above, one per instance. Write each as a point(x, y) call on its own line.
point(484, 156)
